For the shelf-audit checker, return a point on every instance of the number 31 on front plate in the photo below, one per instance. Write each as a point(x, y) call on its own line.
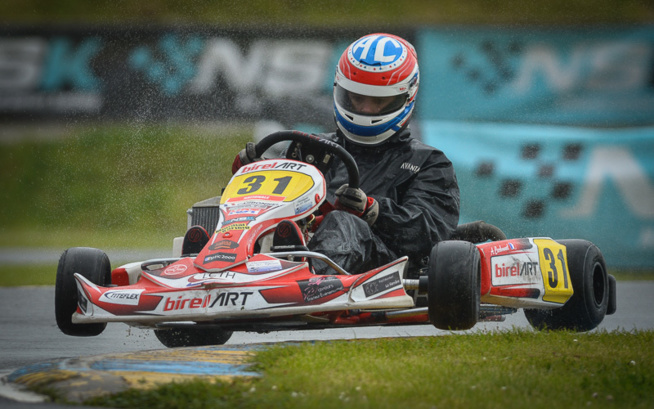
point(286, 185)
point(554, 268)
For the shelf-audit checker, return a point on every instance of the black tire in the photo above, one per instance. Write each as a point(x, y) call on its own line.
point(587, 307)
point(454, 285)
point(192, 336)
point(94, 265)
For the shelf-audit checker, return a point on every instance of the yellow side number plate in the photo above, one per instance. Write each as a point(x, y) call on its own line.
point(554, 268)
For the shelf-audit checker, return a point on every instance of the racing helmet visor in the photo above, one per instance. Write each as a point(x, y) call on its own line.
point(368, 105)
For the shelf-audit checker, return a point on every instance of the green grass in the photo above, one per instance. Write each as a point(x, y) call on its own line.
point(515, 369)
point(72, 236)
point(331, 13)
point(108, 186)
point(133, 183)
point(114, 186)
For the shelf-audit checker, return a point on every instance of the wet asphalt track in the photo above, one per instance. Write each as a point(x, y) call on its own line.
point(28, 332)
point(29, 335)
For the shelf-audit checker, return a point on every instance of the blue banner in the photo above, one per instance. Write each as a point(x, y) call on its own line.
point(174, 73)
point(602, 76)
point(559, 182)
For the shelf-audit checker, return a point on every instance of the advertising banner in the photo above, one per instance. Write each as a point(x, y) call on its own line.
point(170, 74)
point(591, 76)
point(576, 76)
point(558, 182)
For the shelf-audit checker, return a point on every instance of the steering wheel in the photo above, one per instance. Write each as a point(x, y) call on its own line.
point(312, 143)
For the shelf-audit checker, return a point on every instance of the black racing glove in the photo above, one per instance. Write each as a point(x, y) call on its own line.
point(356, 202)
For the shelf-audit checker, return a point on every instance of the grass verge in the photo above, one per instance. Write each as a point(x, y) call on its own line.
point(116, 178)
point(63, 238)
point(514, 369)
point(110, 186)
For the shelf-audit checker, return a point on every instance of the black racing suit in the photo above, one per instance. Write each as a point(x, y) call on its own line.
point(418, 195)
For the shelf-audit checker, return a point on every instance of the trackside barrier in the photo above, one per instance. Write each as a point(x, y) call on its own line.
point(556, 181)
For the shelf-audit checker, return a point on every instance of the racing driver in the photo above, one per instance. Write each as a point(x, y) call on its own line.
point(408, 197)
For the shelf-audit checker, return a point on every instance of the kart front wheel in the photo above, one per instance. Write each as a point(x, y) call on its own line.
point(454, 285)
point(593, 297)
point(94, 265)
point(192, 336)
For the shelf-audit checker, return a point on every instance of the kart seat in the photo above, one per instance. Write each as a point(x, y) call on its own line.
point(194, 241)
point(288, 237)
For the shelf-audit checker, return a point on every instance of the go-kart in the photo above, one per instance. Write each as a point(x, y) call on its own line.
point(238, 280)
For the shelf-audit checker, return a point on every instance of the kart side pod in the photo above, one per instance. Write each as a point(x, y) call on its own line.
point(559, 284)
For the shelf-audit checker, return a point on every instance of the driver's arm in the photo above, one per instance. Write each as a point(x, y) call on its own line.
point(427, 212)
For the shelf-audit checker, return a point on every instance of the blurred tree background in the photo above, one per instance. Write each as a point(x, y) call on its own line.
point(332, 13)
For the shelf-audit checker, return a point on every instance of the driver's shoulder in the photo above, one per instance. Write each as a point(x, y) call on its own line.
point(418, 147)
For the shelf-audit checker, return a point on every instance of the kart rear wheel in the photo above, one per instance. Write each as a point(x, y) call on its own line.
point(192, 336)
point(593, 292)
point(454, 285)
point(94, 265)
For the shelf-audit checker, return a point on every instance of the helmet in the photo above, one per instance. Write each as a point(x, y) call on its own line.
point(375, 88)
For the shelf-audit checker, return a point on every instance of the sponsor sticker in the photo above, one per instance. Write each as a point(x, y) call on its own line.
point(122, 297)
point(231, 299)
point(515, 269)
point(224, 245)
point(256, 197)
point(251, 207)
point(506, 247)
point(380, 285)
point(262, 266)
point(234, 226)
point(184, 303)
point(175, 270)
point(495, 250)
point(244, 212)
point(303, 205)
point(227, 299)
point(319, 287)
point(253, 167)
point(242, 219)
point(199, 278)
point(226, 257)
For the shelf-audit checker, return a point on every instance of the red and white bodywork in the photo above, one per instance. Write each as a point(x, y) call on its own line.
point(525, 273)
point(227, 280)
point(236, 283)
point(230, 280)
